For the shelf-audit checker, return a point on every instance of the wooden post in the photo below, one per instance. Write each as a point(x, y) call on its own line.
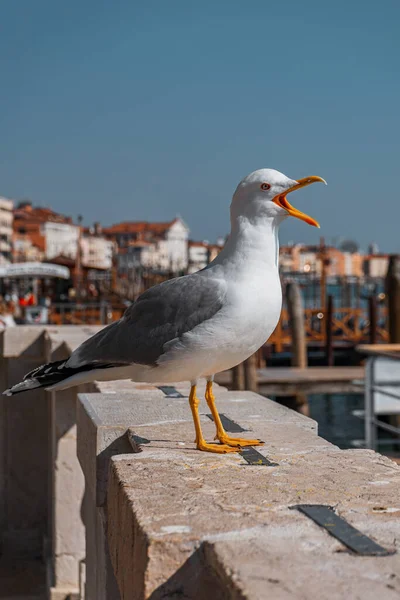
point(238, 377)
point(372, 310)
point(279, 335)
point(393, 295)
point(296, 320)
point(250, 373)
point(299, 344)
point(328, 332)
point(347, 293)
point(322, 254)
point(262, 354)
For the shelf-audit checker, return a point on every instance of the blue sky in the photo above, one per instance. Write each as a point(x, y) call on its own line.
point(128, 110)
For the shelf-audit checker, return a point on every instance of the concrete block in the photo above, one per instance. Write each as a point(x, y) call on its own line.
point(103, 420)
point(26, 446)
point(182, 523)
point(100, 582)
point(167, 508)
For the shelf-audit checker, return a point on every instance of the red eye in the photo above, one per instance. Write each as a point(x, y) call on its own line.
point(265, 186)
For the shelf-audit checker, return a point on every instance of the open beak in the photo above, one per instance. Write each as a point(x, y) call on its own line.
point(284, 203)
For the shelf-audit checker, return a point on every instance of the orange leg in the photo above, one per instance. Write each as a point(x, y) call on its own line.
point(222, 436)
point(200, 441)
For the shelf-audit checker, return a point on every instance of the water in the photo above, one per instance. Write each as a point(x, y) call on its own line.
point(346, 294)
point(333, 412)
point(336, 423)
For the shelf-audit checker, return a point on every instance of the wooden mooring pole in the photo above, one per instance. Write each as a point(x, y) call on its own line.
point(244, 376)
point(393, 299)
point(238, 382)
point(296, 321)
point(373, 322)
point(299, 343)
point(250, 373)
point(329, 333)
point(393, 296)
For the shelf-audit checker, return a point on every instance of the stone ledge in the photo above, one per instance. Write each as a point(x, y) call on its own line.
point(103, 420)
point(182, 523)
point(176, 516)
point(22, 340)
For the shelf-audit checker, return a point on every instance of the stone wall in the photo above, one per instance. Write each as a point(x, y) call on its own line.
point(41, 482)
point(172, 522)
point(169, 521)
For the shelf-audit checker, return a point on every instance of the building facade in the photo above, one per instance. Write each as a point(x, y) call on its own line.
point(60, 239)
point(44, 233)
point(6, 230)
point(307, 260)
point(162, 247)
point(96, 250)
point(376, 265)
point(198, 256)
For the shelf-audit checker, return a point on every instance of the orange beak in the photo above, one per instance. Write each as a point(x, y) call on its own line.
point(284, 203)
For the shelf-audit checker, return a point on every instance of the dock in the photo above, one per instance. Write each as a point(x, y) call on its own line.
point(288, 381)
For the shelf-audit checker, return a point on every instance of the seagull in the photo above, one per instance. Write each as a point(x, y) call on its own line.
point(195, 326)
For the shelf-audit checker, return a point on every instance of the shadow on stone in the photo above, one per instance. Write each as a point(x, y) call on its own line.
point(196, 580)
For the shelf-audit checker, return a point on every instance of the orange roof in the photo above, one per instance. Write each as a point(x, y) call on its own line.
point(139, 244)
point(379, 255)
point(32, 233)
point(139, 227)
point(194, 244)
point(39, 214)
point(37, 240)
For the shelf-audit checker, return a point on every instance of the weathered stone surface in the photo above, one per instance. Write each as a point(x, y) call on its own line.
point(100, 583)
point(293, 560)
point(170, 509)
point(21, 340)
point(103, 420)
point(27, 444)
point(41, 482)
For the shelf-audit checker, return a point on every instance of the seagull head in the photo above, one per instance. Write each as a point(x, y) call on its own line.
point(263, 194)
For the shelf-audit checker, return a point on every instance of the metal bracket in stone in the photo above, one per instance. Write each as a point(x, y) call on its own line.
point(170, 391)
point(250, 454)
point(339, 528)
point(229, 425)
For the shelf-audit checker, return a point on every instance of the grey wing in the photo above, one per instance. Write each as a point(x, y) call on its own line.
point(161, 314)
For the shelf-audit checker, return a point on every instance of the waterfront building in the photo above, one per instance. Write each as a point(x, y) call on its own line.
point(310, 259)
point(376, 265)
point(159, 246)
point(96, 250)
point(6, 229)
point(41, 233)
point(200, 254)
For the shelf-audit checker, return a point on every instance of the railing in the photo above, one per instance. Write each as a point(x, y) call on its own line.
point(382, 398)
point(348, 324)
point(351, 325)
point(67, 313)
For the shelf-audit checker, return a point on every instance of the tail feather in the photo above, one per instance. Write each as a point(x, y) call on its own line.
point(52, 373)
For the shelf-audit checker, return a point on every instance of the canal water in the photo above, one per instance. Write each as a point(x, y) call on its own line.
point(346, 294)
point(334, 412)
point(336, 422)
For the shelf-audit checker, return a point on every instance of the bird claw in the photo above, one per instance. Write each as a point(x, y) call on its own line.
point(216, 448)
point(238, 442)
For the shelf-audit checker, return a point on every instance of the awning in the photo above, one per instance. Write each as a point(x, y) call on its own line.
point(34, 269)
